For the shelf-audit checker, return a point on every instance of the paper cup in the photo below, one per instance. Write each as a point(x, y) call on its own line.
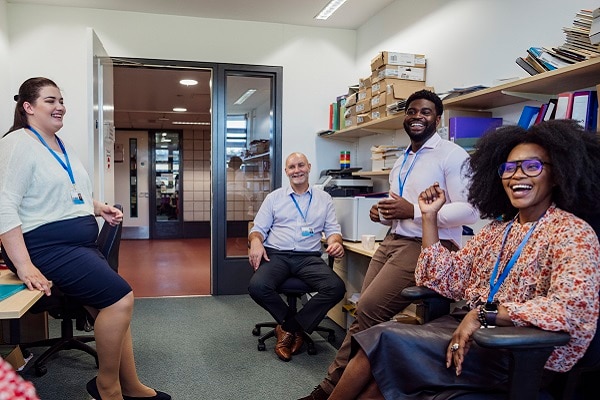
point(368, 242)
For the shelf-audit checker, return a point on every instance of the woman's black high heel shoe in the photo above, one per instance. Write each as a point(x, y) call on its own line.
point(92, 389)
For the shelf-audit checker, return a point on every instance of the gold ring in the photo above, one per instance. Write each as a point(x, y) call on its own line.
point(454, 347)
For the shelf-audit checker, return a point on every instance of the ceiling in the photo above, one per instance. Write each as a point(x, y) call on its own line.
point(145, 96)
point(351, 15)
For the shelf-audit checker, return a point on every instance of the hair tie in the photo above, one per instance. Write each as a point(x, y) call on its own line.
point(16, 97)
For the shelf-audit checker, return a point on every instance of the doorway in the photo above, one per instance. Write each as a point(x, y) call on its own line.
point(204, 201)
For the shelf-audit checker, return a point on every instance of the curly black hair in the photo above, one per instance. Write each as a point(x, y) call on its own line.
point(427, 95)
point(574, 154)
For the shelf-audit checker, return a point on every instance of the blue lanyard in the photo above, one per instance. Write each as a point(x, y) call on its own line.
point(495, 285)
point(67, 166)
point(402, 182)
point(305, 213)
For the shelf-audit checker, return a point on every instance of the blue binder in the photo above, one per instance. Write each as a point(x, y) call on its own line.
point(7, 290)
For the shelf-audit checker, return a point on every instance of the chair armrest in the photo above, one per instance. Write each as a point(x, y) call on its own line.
point(512, 337)
point(434, 305)
point(420, 293)
point(529, 349)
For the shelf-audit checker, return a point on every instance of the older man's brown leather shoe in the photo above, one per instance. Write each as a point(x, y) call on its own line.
point(298, 342)
point(285, 340)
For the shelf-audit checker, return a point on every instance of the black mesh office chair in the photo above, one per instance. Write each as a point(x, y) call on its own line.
point(529, 348)
point(293, 288)
point(68, 310)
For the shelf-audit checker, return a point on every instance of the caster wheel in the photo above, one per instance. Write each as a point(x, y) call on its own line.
point(331, 337)
point(256, 331)
point(261, 347)
point(41, 370)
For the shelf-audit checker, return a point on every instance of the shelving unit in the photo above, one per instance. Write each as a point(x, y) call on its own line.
point(381, 125)
point(573, 77)
point(541, 87)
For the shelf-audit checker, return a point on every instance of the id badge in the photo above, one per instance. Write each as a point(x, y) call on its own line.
point(307, 231)
point(76, 197)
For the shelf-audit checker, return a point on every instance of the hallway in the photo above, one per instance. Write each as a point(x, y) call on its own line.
point(156, 268)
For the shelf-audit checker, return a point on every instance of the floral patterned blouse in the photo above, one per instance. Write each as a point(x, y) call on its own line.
point(553, 285)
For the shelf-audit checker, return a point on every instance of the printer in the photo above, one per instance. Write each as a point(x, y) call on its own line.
point(352, 202)
point(341, 182)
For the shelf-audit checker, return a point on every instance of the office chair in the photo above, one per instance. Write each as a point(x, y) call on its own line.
point(66, 309)
point(293, 289)
point(528, 347)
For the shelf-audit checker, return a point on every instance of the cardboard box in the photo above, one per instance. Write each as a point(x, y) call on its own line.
point(396, 89)
point(350, 121)
point(364, 94)
point(401, 86)
point(398, 72)
point(364, 83)
point(351, 99)
point(395, 58)
point(12, 354)
point(363, 106)
point(378, 112)
point(362, 118)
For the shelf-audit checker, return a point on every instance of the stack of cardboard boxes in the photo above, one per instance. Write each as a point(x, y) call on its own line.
point(394, 77)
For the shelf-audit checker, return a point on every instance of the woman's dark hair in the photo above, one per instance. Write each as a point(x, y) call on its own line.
point(28, 92)
point(427, 95)
point(574, 154)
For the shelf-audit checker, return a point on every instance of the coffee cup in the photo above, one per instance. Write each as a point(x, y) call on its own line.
point(368, 242)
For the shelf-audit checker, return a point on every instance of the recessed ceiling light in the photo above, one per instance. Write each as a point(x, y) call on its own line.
point(329, 9)
point(188, 82)
point(179, 109)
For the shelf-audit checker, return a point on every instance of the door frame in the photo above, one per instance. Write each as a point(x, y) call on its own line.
point(231, 275)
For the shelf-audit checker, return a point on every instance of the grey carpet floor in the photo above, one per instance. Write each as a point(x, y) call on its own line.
point(196, 348)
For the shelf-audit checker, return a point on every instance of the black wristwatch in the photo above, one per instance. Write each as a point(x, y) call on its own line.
point(488, 313)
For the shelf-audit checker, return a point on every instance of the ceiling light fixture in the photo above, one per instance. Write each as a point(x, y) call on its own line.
point(329, 9)
point(188, 82)
point(189, 123)
point(245, 96)
point(179, 109)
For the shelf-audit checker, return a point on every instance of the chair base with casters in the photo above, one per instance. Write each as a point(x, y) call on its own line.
point(66, 341)
point(293, 288)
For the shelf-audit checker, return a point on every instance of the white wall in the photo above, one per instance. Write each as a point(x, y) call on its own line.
point(317, 63)
point(6, 101)
point(467, 42)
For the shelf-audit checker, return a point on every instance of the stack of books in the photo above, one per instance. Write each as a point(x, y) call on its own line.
point(577, 47)
point(384, 156)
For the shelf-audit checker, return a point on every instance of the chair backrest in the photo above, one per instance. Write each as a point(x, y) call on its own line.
point(109, 241)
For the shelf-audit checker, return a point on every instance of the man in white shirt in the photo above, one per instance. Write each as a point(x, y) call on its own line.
point(428, 159)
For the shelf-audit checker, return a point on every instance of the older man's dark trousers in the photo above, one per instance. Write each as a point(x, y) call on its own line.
point(310, 268)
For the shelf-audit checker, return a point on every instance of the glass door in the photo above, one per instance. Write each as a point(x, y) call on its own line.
point(167, 162)
point(247, 151)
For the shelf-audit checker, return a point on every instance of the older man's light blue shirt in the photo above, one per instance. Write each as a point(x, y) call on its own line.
point(281, 221)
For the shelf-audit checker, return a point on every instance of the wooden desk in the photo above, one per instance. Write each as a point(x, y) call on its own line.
point(17, 304)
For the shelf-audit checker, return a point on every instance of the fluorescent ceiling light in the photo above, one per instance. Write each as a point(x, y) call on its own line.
point(245, 96)
point(188, 82)
point(329, 9)
point(190, 123)
point(179, 109)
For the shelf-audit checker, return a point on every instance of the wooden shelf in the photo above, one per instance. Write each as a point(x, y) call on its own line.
point(578, 76)
point(381, 125)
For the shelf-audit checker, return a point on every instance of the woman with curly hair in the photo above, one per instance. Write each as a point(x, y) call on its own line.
point(535, 264)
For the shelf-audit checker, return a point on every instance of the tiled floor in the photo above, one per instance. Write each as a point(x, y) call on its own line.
point(156, 268)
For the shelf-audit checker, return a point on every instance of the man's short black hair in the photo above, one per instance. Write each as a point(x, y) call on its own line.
point(427, 95)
